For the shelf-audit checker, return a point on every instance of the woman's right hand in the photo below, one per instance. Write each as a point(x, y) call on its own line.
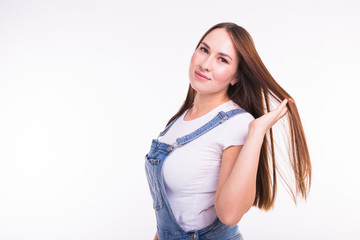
point(265, 122)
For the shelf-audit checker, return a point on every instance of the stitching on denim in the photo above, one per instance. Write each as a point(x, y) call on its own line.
point(217, 120)
point(217, 233)
point(157, 207)
point(219, 113)
point(237, 237)
point(157, 201)
point(154, 161)
point(149, 176)
point(165, 231)
point(163, 151)
point(155, 192)
point(200, 131)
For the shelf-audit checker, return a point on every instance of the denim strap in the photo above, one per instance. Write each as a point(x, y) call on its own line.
point(168, 127)
point(217, 120)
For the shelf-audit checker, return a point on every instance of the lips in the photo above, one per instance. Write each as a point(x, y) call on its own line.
point(201, 76)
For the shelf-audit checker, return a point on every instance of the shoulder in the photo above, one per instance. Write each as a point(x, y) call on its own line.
point(235, 129)
point(240, 118)
point(239, 122)
point(242, 115)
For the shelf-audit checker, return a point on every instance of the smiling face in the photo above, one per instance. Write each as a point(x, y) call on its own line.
point(213, 64)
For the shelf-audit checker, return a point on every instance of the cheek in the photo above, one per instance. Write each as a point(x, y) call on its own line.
point(224, 74)
point(194, 59)
point(197, 58)
point(192, 64)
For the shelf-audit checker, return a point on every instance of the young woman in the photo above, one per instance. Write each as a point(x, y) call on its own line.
point(216, 156)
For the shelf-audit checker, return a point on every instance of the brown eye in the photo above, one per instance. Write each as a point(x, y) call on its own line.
point(203, 49)
point(223, 60)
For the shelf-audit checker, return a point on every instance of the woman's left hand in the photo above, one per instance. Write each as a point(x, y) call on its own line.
point(265, 122)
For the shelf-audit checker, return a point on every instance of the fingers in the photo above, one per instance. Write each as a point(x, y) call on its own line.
point(282, 109)
point(285, 101)
point(283, 112)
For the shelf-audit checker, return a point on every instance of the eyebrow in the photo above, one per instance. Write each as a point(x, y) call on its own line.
point(222, 54)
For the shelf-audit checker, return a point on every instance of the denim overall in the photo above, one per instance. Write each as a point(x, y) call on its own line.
point(167, 226)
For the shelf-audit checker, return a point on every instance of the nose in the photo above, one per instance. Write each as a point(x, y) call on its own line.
point(205, 65)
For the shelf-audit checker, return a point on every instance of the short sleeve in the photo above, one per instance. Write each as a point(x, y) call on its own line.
point(235, 130)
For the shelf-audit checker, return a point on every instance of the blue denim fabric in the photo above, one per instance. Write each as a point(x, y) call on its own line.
point(167, 226)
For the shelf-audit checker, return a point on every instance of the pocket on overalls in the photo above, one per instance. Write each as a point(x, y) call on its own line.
point(152, 167)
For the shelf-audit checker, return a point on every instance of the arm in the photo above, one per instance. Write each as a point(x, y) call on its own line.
point(156, 237)
point(237, 182)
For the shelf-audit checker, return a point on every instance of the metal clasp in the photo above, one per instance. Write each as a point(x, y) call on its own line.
point(173, 146)
point(223, 116)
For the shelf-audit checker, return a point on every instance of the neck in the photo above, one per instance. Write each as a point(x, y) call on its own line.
point(205, 103)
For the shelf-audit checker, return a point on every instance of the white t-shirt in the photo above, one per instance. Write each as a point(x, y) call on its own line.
point(191, 172)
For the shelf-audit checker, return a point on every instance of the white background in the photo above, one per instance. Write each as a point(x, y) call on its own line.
point(86, 85)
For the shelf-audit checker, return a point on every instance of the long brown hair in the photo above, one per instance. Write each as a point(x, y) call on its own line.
point(254, 91)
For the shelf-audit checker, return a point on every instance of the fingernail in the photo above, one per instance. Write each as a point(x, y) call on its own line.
point(292, 101)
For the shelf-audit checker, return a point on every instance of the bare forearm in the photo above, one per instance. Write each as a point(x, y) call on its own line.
point(238, 192)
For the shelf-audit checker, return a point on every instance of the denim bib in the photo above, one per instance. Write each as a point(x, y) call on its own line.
point(167, 226)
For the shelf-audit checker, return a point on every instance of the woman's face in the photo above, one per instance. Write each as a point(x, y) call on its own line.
point(213, 64)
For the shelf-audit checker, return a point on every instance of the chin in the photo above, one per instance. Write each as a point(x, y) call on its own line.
point(195, 86)
point(201, 90)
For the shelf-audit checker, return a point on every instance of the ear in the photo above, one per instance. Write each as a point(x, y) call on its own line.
point(233, 81)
